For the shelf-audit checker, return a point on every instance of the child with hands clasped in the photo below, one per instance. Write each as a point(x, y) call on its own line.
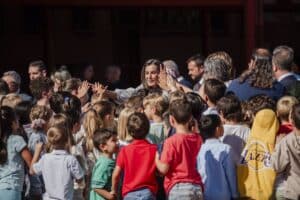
point(106, 142)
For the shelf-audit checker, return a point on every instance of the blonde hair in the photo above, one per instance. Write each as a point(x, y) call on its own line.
point(39, 112)
point(176, 95)
point(11, 100)
point(58, 137)
point(91, 123)
point(158, 102)
point(284, 107)
point(72, 84)
point(123, 133)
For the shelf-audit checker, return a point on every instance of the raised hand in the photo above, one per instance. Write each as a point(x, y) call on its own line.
point(83, 89)
point(99, 90)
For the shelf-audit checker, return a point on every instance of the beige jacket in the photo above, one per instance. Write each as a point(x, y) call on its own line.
point(286, 160)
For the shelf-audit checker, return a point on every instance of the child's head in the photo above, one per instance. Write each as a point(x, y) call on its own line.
point(138, 125)
point(180, 111)
point(41, 87)
point(295, 116)
point(284, 107)
point(106, 141)
point(72, 85)
point(176, 95)
point(8, 125)
point(154, 105)
point(58, 137)
point(91, 123)
point(39, 117)
point(212, 90)
point(230, 109)
point(135, 102)
point(64, 121)
point(9, 122)
point(197, 104)
point(211, 126)
point(105, 110)
point(69, 105)
point(23, 110)
point(254, 105)
point(122, 124)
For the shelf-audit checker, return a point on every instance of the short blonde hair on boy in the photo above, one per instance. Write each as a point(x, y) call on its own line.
point(158, 102)
point(284, 107)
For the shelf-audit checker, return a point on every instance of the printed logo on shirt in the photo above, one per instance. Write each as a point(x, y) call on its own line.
point(256, 156)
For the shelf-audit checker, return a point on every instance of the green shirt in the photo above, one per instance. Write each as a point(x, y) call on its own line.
point(156, 132)
point(101, 176)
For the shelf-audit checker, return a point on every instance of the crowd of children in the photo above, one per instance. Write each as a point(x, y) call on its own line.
point(162, 140)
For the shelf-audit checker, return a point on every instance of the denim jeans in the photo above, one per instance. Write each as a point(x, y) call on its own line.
point(185, 191)
point(141, 194)
point(10, 195)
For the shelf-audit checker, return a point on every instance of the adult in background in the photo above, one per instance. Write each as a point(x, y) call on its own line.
point(172, 68)
point(258, 79)
point(149, 83)
point(218, 65)
point(13, 80)
point(282, 61)
point(196, 70)
point(113, 78)
point(37, 69)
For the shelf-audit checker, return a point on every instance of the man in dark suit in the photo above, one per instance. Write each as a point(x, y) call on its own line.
point(282, 61)
point(196, 70)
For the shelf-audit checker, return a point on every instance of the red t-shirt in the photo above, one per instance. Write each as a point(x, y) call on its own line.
point(137, 160)
point(180, 153)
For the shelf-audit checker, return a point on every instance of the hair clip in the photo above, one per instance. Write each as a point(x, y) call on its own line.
point(66, 100)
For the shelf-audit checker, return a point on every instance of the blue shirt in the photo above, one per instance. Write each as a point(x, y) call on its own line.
point(36, 182)
point(244, 91)
point(12, 172)
point(217, 170)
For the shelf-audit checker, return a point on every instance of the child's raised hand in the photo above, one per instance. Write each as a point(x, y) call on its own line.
point(83, 89)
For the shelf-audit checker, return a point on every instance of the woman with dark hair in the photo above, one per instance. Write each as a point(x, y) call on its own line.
point(149, 82)
point(14, 155)
point(258, 79)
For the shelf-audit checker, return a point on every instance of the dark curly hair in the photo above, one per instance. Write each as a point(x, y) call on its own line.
point(261, 74)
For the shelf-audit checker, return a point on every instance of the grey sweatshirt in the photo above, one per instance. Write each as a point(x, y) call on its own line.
point(286, 160)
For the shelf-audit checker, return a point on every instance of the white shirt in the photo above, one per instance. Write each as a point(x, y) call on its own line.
point(58, 168)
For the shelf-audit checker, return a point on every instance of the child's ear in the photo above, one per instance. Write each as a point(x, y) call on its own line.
point(153, 110)
point(102, 147)
point(222, 117)
point(291, 120)
point(172, 120)
point(219, 131)
point(107, 117)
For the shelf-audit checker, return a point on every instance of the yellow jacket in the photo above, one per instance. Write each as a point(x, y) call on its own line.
point(255, 174)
